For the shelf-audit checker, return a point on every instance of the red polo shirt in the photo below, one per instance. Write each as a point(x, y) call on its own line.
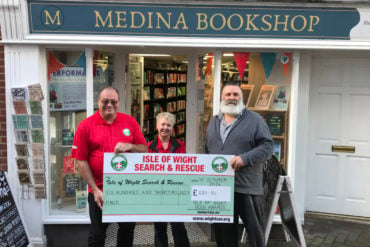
point(94, 137)
point(180, 149)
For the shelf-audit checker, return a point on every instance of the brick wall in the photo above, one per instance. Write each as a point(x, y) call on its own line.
point(3, 144)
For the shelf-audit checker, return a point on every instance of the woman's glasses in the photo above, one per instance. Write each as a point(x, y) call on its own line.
point(107, 101)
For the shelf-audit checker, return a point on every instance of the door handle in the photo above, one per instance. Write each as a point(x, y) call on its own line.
point(342, 149)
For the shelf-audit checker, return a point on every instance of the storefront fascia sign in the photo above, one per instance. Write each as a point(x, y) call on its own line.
point(191, 20)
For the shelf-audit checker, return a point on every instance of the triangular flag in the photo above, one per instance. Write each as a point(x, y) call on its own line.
point(241, 59)
point(268, 61)
point(209, 63)
point(285, 60)
point(81, 61)
point(54, 65)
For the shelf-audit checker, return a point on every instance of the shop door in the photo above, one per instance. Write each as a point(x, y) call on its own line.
point(339, 178)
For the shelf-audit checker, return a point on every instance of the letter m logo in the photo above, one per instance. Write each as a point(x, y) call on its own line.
point(52, 17)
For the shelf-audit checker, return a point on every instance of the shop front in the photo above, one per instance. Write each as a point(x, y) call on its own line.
point(302, 71)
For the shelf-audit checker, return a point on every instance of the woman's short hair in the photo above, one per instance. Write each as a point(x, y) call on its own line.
point(167, 115)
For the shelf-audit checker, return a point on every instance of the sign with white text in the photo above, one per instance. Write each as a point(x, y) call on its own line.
point(142, 187)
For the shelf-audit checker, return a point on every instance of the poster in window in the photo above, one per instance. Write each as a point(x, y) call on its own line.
point(247, 93)
point(67, 89)
point(281, 97)
point(264, 98)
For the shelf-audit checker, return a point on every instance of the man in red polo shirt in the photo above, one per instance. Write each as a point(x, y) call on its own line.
point(105, 131)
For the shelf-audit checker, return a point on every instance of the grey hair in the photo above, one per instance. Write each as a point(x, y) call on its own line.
point(167, 115)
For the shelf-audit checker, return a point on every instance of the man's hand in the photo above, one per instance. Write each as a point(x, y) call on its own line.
point(122, 147)
point(98, 198)
point(236, 163)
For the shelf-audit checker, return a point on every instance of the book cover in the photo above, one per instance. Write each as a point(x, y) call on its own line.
point(70, 184)
point(159, 77)
point(67, 137)
point(277, 149)
point(158, 93)
point(146, 93)
point(281, 97)
point(68, 164)
point(265, 97)
point(81, 200)
point(275, 124)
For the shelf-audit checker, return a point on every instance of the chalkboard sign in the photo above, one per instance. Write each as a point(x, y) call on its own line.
point(12, 230)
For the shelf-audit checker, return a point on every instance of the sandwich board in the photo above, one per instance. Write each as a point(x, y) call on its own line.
point(12, 230)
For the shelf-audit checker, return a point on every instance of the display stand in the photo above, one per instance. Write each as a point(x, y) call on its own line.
point(288, 213)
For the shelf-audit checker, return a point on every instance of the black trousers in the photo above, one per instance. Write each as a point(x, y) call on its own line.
point(97, 234)
point(179, 233)
point(250, 209)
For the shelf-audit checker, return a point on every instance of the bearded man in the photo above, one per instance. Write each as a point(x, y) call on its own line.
point(243, 133)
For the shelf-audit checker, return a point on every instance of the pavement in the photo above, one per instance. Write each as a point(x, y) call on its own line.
point(319, 230)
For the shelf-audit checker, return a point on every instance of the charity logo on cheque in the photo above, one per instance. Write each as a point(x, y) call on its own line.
point(119, 162)
point(219, 164)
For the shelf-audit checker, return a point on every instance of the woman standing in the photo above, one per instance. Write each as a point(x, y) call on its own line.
point(165, 143)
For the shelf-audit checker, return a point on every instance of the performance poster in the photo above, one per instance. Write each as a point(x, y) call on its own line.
point(142, 187)
point(68, 89)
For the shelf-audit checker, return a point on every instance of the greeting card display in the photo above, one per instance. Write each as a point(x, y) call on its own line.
point(21, 149)
point(20, 122)
point(22, 163)
point(20, 107)
point(19, 94)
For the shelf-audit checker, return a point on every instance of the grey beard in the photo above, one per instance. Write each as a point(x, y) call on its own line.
point(231, 109)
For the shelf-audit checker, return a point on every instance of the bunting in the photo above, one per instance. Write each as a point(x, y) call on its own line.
point(268, 61)
point(81, 62)
point(241, 59)
point(285, 60)
point(54, 65)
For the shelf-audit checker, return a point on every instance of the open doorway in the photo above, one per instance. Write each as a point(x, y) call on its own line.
point(158, 84)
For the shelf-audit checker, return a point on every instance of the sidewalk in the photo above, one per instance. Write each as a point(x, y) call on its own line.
point(319, 230)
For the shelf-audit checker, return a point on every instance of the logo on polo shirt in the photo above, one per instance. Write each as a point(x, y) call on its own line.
point(126, 132)
point(119, 162)
point(219, 164)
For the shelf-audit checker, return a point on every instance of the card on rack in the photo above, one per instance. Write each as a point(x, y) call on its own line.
point(40, 192)
point(38, 178)
point(22, 163)
point(19, 94)
point(24, 176)
point(20, 107)
point(21, 136)
point(21, 149)
point(37, 136)
point(38, 163)
point(20, 122)
point(35, 92)
point(36, 122)
point(38, 149)
point(35, 106)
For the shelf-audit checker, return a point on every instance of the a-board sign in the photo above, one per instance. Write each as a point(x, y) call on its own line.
point(12, 230)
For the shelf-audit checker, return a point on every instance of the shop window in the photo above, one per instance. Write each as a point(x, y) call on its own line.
point(265, 79)
point(161, 88)
point(67, 108)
